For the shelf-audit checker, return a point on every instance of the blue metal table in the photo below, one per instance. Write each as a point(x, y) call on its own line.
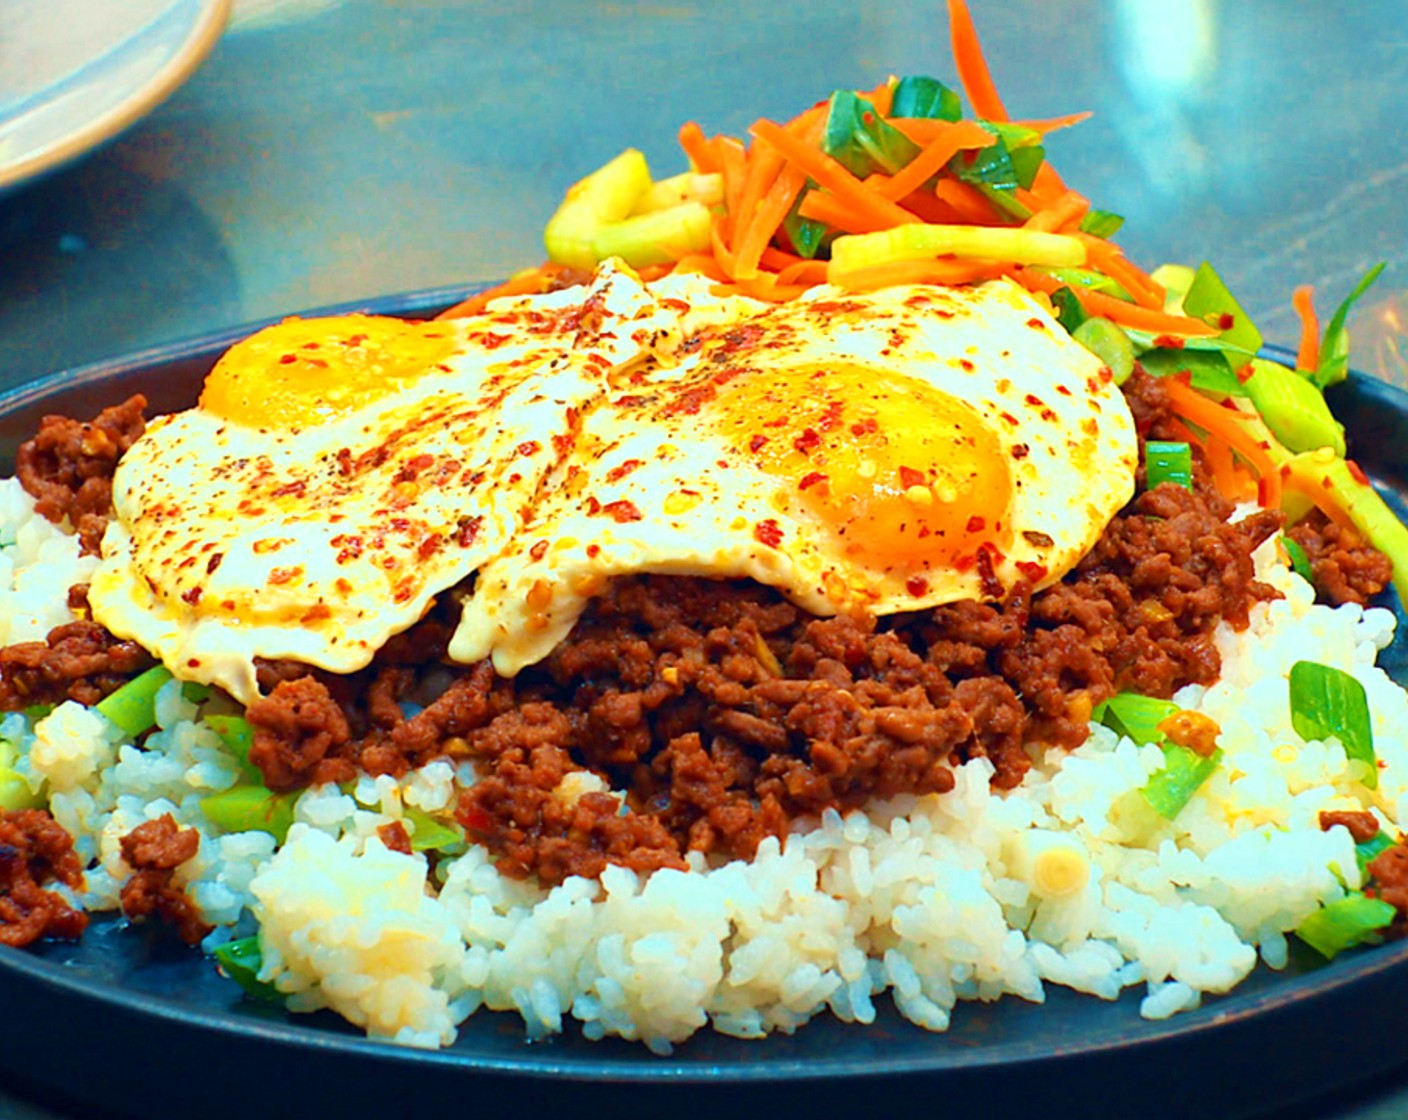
point(331, 150)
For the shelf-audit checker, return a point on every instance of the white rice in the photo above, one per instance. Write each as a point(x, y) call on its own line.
point(933, 900)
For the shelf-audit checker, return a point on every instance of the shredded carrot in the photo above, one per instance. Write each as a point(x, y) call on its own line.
point(1053, 124)
point(703, 263)
point(1232, 483)
point(533, 281)
point(941, 271)
point(733, 164)
point(824, 207)
point(1226, 424)
point(922, 130)
point(697, 148)
point(1108, 259)
point(970, 203)
point(1322, 498)
point(803, 272)
point(1117, 310)
point(930, 208)
point(828, 173)
point(1308, 354)
point(770, 212)
point(722, 253)
point(1046, 184)
point(762, 165)
point(958, 136)
point(972, 67)
point(1070, 208)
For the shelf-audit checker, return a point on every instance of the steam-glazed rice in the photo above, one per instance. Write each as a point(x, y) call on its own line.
point(931, 899)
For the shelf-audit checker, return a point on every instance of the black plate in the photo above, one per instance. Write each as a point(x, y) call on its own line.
point(129, 1020)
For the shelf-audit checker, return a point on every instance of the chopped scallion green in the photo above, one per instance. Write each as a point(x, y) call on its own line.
point(429, 834)
point(1165, 461)
point(1327, 701)
point(241, 961)
point(1334, 343)
point(133, 706)
point(1208, 299)
point(1134, 716)
point(1101, 223)
point(1171, 787)
point(918, 96)
point(1371, 849)
point(251, 808)
point(1300, 562)
point(1343, 924)
point(1109, 343)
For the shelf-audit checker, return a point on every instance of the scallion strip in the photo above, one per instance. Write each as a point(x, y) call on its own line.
point(133, 706)
point(1134, 716)
point(241, 961)
point(1327, 701)
point(1343, 924)
point(251, 808)
point(1172, 786)
point(429, 834)
point(1166, 461)
point(1300, 562)
point(1371, 849)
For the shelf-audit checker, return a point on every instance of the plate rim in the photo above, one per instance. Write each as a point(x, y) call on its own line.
point(1236, 1008)
point(205, 32)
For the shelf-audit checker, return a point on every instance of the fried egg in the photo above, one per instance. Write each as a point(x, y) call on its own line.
point(877, 453)
point(339, 473)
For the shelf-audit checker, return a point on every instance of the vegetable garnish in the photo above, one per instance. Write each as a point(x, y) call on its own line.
point(251, 808)
point(241, 961)
point(1327, 701)
point(1144, 720)
point(133, 706)
point(1168, 462)
point(1345, 923)
point(1299, 561)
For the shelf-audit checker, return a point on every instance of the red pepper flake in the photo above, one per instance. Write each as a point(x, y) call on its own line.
point(1009, 418)
point(768, 532)
point(865, 427)
point(491, 341)
point(428, 547)
point(757, 443)
point(1037, 540)
point(1357, 472)
point(615, 474)
point(529, 447)
point(290, 489)
point(1032, 570)
point(1244, 374)
point(965, 365)
point(1036, 323)
point(475, 819)
point(1020, 451)
point(593, 550)
point(810, 480)
point(977, 524)
point(287, 359)
point(808, 441)
point(916, 585)
point(539, 550)
point(192, 596)
point(318, 612)
point(213, 563)
point(1048, 415)
point(987, 559)
point(1063, 390)
point(1226, 321)
point(285, 575)
point(1035, 401)
point(466, 529)
point(623, 511)
point(593, 506)
point(911, 477)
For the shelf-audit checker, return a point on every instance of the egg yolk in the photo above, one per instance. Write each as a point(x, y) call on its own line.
point(904, 474)
point(302, 372)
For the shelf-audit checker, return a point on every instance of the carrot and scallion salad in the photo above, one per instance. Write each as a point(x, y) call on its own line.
point(895, 185)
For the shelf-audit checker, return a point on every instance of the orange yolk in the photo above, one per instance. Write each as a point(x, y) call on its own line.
point(305, 371)
point(902, 473)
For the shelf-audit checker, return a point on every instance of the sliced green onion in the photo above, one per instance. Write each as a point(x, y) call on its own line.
point(1165, 461)
point(15, 792)
point(918, 96)
point(1371, 849)
point(1069, 313)
point(237, 736)
point(241, 961)
point(194, 692)
point(1208, 299)
point(861, 140)
point(1209, 371)
point(251, 808)
point(1344, 924)
point(133, 706)
point(1300, 562)
point(1101, 223)
point(1334, 343)
point(1327, 701)
point(1134, 716)
point(429, 834)
point(1293, 408)
point(1171, 787)
point(808, 236)
point(35, 712)
point(1085, 278)
point(1109, 343)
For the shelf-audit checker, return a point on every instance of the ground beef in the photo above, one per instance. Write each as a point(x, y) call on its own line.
point(35, 850)
point(68, 466)
point(1389, 871)
point(1346, 569)
point(1363, 826)
point(77, 661)
point(300, 734)
point(154, 850)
